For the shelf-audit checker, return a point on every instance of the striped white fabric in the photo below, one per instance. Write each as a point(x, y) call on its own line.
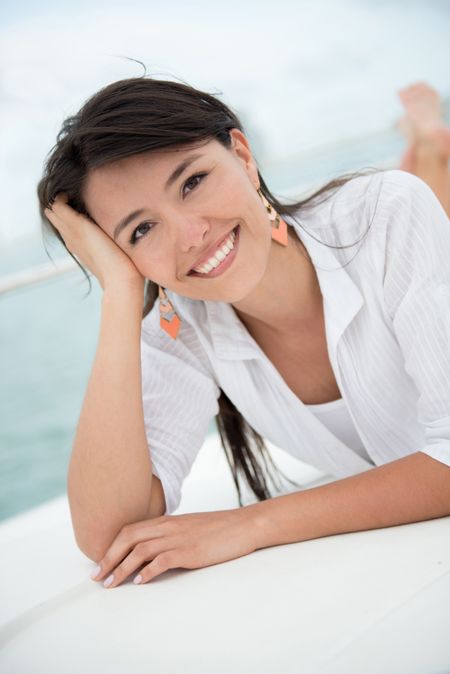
point(387, 318)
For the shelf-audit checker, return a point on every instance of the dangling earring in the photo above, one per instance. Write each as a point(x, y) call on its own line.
point(279, 227)
point(170, 325)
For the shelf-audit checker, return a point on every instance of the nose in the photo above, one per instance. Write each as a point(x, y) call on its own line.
point(191, 233)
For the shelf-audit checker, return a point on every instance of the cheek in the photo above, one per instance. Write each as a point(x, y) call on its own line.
point(157, 267)
point(241, 195)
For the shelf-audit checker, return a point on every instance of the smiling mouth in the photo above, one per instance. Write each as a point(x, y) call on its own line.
point(221, 260)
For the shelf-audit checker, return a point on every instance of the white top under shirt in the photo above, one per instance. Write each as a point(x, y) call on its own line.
point(386, 307)
point(335, 416)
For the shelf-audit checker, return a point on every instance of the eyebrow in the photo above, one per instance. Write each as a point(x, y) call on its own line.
point(128, 219)
point(176, 173)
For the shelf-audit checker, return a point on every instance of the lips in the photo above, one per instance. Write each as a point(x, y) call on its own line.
point(211, 251)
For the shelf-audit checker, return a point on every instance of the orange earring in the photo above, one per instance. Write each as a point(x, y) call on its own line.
point(279, 227)
point(168, 319)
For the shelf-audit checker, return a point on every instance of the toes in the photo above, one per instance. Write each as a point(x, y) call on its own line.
point(414, 90)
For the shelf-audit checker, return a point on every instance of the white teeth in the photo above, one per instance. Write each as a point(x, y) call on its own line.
point(218, 257)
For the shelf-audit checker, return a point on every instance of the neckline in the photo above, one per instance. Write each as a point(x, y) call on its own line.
point(323, 406)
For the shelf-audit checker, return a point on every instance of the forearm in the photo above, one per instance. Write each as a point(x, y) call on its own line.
point(411, 489)
point(109, 476)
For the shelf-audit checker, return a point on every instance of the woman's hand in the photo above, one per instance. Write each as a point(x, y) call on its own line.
point(92, 246)
point(189, 541)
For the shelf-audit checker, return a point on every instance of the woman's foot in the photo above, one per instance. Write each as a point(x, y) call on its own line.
point(408, 160)
point(423, 122)
point(428, 139)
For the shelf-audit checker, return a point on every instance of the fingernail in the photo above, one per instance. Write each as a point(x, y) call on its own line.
point(108, 581)
point(96, 571)
point(138, 579)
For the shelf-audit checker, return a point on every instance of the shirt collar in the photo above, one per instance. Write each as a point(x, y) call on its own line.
point(342, 298)
point(341, 302)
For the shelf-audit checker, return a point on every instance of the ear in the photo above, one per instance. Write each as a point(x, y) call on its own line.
point(241, 148)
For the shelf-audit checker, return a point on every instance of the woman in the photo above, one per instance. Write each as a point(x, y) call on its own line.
point(323, 326)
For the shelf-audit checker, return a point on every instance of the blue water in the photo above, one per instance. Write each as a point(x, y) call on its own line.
point(47, 343)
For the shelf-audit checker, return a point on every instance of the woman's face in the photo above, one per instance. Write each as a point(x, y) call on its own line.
point(174, 217)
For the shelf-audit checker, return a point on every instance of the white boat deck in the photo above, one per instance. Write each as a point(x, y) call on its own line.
point(368, 602)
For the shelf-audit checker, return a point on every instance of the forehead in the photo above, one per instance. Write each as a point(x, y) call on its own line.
point(109, 190)
point(137, 167)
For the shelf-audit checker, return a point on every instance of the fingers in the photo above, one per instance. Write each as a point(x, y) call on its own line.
point(140, 555)
point(131, 537)
point(67, 221)
point(58, 206)
point(171, 559)
point(58, 211)
point(189, 541)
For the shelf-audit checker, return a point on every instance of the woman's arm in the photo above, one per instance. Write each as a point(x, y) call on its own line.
point(416, 291)
point(411, 489)
point(110, 472)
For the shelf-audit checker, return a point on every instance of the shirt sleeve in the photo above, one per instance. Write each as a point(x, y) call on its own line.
point(416, 286)
point(180, 399)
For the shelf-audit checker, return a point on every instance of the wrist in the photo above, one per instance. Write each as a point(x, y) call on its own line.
point(288, 518)
point(125, 287)
point(259, 524)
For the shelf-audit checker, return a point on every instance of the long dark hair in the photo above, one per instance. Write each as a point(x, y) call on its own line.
point(139, 115)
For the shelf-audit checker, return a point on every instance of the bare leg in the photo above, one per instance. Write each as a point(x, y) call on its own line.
point(428, 150)
point(408, 160)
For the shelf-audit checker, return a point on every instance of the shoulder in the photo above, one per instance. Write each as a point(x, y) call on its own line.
point(362, 196)
point(392, 199)
point(398, 182)
point(379, 186)
point(404, 194)
point(346, 205)
point(413, 235)
point(410, 230)
point(410, 216)
point(385, 201)
point(342, 217)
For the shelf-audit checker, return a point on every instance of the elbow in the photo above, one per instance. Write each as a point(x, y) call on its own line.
point(93, 550)
point(97, 543)
point(94, 543)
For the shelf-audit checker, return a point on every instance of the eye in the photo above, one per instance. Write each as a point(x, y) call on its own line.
point(140, 229)
point(194, 181)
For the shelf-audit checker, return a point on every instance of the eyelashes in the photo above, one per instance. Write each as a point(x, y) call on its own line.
point(196, 175)
point(134, 239)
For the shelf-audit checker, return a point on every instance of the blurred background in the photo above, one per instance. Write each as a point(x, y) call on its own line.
point(315, 83)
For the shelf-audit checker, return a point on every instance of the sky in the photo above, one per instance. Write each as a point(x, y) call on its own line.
point(300, 73)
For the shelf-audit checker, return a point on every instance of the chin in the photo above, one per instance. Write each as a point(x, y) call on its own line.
point(241, 287)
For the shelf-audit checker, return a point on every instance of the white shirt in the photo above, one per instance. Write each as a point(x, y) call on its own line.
point(386, 307)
